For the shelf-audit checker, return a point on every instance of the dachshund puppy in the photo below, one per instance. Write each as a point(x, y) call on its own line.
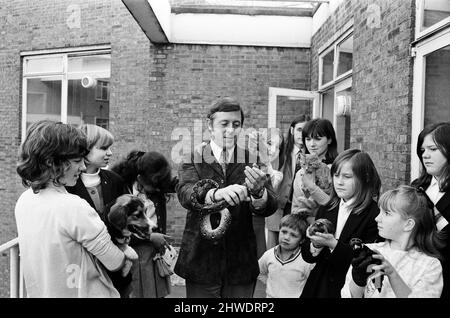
point(126, 218)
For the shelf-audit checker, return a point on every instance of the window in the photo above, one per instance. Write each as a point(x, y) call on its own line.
point(336, 62)
point(102, 92)
point(431, 88)
point(71, 87)
point(431, 15)
point(335, 86)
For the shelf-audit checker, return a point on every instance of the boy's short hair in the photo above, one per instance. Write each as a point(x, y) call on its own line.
point(295, 222)
point(225, 104)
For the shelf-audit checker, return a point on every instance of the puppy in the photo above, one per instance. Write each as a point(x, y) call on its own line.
point(125, 219)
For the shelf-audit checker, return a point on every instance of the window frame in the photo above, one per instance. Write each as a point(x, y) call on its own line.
point(420, 8)
point(62, 74)
point(419, 52)
point(323, 52)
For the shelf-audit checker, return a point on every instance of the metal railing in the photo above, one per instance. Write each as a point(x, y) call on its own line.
point(16, 286)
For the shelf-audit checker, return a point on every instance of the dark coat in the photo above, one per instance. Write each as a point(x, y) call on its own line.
point(284, 191)
point(328, 276)
point(232, 257)
point(112, 186)
point(443, 206)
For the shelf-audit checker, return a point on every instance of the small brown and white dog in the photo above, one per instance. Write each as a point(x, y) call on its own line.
point(127, 218)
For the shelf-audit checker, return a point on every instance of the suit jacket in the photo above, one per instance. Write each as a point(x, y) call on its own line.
point(232, 257)
point(112, 187)
point(328, 276)
point(443, 206)
point(284, 190)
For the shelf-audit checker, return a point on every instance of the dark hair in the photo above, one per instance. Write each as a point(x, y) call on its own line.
point(295, 222)
point(46, 151)
point(410, 202)
point(440, 133)
point(290, 137)
point(225, 104)
point(367, 185)
point(321, 127)
point(152, 166)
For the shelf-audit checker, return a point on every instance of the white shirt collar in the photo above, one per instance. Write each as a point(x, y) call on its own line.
point(217, 151)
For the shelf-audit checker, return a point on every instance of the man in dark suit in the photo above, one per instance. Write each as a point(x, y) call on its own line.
point(227, 267)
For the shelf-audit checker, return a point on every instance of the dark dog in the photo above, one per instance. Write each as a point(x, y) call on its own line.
point(126, 218)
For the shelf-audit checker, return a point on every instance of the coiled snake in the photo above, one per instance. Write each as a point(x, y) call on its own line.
point(199, 191)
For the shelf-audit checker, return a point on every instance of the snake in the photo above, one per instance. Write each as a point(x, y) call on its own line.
point(199, 190)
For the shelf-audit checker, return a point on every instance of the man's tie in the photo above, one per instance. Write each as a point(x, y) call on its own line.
point(223, 161)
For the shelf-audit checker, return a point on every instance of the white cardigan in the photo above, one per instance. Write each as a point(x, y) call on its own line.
point(61, 241)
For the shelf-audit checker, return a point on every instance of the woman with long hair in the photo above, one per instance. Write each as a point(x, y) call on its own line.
point(433, 150)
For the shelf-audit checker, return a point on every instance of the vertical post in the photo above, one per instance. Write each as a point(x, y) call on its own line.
point(14, 271)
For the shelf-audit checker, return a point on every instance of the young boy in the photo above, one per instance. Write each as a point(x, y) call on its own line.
point(282, 267)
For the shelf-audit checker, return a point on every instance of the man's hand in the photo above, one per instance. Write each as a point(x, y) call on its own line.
point(233, 194)
point(255, 179)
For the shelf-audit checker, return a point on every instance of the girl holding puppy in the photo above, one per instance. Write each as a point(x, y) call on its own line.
point(351, 210)
point(63, 242)
point(319, 139)
point(148, 176)
point(409, 256)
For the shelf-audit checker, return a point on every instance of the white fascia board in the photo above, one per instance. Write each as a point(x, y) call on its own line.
point(233, 29)
point(161, 9)
point(322, 14)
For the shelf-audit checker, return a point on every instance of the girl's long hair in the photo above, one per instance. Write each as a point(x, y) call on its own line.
point(440, 133)
point(321, 127)
point(414, 203)
point(367, 180)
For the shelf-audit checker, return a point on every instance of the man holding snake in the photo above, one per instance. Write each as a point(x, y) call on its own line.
point(218, 250)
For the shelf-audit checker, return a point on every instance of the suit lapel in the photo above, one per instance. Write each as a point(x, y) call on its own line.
point(106, 188)
point(208, 157)
point(83, 193)
point(353, 222)
point(236, 162)
point(443, 205)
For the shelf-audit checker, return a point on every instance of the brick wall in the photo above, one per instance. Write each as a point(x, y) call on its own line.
point(154, 89)
point(382, 82)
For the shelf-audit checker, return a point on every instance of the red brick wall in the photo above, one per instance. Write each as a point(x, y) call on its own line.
point(153, 88)
point(382, 82)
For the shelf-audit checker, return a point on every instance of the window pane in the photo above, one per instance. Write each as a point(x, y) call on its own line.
point(437, 86)
point(88, 91)
point(327, 67)
point(43, 99)
point(345, 57)
point(288, 108)
point(328, 105)
point(44, 65)
point(343, 122)
point(435, 11)
point(90, 65)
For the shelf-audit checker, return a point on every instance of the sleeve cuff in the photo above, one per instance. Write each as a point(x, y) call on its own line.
point(261, 202)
